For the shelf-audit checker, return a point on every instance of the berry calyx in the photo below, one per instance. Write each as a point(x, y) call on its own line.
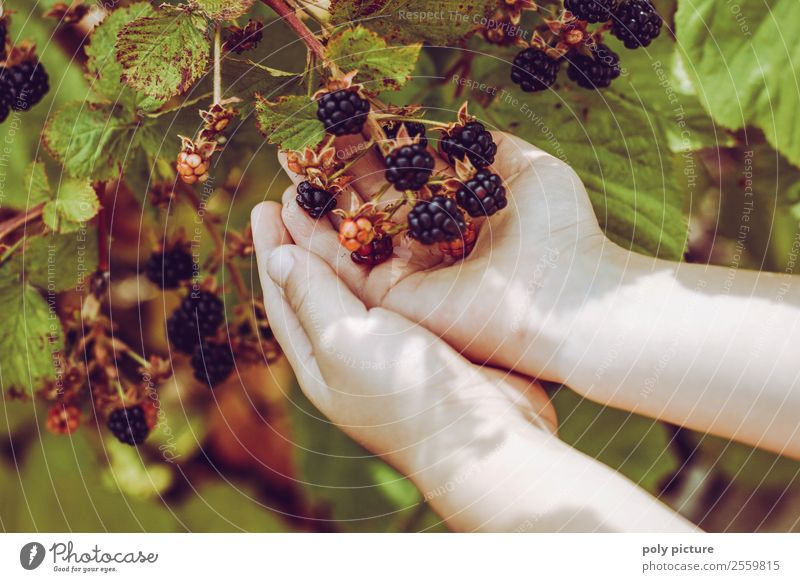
point(591, 10)
point(199, 315)
point(470, 140)
point(533, 70)
point(595, 71)
point(409, 167)
point(129, 425)
point(374, 253)
point(354, 233)
point(212, 362)
point(315, 201)
point(414, 129)
point(636, 23)
point(342, 112)
point(169, 268)
point(26, 83)
point(482, 195)
point(436, 220)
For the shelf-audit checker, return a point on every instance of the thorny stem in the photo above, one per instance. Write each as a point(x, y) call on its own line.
point(13, 223)
point(353, 161)
point(217, 65)
point(188, 103)
point(390, 117)
point(290, 17)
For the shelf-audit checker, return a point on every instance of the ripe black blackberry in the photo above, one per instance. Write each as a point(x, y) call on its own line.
point(199, 315)
point(26, 84)
point(482, 195)
point(315, 201)
point(591, 10)
point(342, 112)
point(409, 167)
point(533, 70)
point(636, 23)
point(436, 220)
point(413, 128)
point(169, 268)
point(212, 362)
point(595, 71)
point(374, 253)
point(129, 425)
point(5, 100)
point(470, 140)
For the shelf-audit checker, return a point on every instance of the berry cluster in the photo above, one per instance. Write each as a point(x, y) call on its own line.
point(592, 64)
point(23, 80)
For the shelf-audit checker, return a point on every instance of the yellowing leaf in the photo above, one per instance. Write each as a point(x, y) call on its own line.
point(223, 9)
point(290, 122)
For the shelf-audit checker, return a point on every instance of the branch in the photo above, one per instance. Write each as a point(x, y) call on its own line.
point(298, 26)
point(13, 223)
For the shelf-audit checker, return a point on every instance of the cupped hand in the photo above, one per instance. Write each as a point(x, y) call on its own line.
point(509, 303)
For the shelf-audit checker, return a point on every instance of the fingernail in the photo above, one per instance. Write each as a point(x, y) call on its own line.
point(280, 264)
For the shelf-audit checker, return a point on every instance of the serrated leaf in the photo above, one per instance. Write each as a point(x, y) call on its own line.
point(246, 77)
point(223, 9)
point(435, 21)
point(635, 446)
point(58, 262)
point(31, 335)
point(103, 69)
point(379, 66)
point(74, 204)
point(163, 55)
point(290, 122)
point(744, 74)
point(88, 139)
point(37, 184)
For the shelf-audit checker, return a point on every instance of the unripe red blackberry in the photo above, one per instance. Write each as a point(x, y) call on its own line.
point(129, 425)
point(26, 84)
point(436, 220)
point(595, 71)
point(533, 70)
point(315, 201)
point(63, 418)
point(414, 129)
point(470, 140)
point(199, 315)
point(409, 167)
point(591, 10)
point(212, 362)
point(374, 253)
point(482, 195)
point(636, 23)
point(342, 112)
point(169, 268)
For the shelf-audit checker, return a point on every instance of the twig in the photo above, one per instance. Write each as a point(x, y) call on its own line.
point(298, 26)
point(217, 65)
point(102, 228)
point(13, 223)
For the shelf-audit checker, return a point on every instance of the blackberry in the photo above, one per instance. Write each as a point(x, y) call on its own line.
point(212, 362)
point(168, 269)
point(374, 253)
point(26, 84)
point(483, 195)
point(636, 23)
point(129, 425)
point(413, 128)
point(3, 36)
point(5, 100)
point(591, 10)
point(533, 70)
point(342, 112)
point(409, 167)
point(470, 140)
point(595, 71)
point(436, 220)
point(315, 201)
point(198, 316)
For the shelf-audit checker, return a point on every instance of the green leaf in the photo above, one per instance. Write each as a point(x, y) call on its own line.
point(89, 140)
point(102, 66)
point(246, 77)
point(58, 262)
point(163, 55)
point(750, 467)
point(379, 65)
point(745, 71)
point(290, 122)
point(633, 445)
point(37, 183)
point(74, 204)
point(434, 21)
point(223, 9)
point(31, 335)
